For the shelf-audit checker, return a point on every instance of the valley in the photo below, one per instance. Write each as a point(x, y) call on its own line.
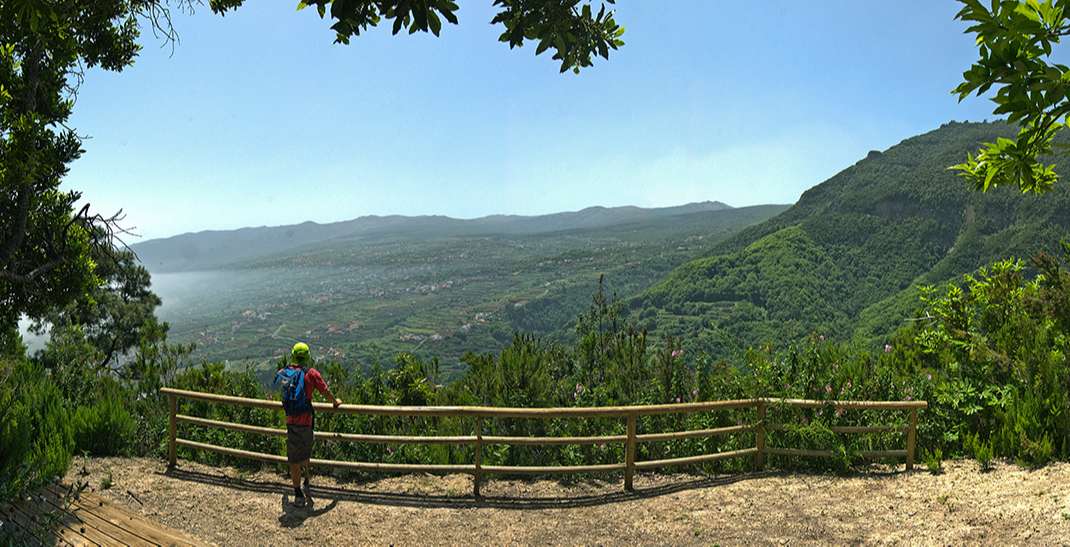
point(436, 290)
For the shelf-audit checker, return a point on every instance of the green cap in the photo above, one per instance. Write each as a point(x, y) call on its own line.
point(300, 353)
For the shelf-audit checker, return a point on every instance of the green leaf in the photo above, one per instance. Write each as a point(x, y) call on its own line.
point(988, 179)
point(434, 22)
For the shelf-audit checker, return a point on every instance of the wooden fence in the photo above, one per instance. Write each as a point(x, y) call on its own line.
point(477, 439)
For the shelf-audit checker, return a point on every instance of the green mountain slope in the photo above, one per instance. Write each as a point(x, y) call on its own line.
point(845, 260)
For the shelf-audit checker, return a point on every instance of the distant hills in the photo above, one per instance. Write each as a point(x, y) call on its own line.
point(846, 260)
point(210, 250)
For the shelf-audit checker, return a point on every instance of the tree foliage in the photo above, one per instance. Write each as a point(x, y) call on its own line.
point(115, 315)
point(46, 243)
point(572, 28)
point(999, 342)
point(1015, 41)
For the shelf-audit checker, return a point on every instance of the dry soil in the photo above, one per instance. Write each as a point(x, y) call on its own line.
point(961, 506)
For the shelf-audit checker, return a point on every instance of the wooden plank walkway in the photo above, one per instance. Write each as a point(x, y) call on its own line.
point(49, 517)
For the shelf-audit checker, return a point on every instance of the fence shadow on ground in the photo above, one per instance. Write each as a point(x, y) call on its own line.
point(335, 494)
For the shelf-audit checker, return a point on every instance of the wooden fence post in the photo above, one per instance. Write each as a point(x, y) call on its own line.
point(477, 476)
point(912, 438)
point(629, 452)
point(759, 436)
point(172, 456)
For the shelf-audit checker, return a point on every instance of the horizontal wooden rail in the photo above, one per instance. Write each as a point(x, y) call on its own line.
point(205, 422)
point(519, 412)
point(247, 454)
point(551, 469)
point(806, 453)
point(485, 411)
point(359, 466)
point(850, 428)
point(676, 435)
point(691, 460)
point(331, 435)
point(858, 405)
point(604, 439)
point(477, 440)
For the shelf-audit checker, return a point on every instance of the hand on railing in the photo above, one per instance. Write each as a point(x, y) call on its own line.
point(337, 402)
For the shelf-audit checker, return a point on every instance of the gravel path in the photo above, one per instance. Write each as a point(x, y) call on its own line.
point(961, 506)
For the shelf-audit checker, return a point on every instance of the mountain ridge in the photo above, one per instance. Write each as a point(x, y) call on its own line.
point(210, 249)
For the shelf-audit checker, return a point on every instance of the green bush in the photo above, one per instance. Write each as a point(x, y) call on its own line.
point(981, 451)
point(999, 343)
point(103, 428)
point(36, 441)
point(934, 461)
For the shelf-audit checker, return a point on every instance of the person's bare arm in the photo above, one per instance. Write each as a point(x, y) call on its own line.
point(334, 400)
point(325, 390)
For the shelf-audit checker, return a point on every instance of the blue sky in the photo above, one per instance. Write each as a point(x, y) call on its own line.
point(257, 118)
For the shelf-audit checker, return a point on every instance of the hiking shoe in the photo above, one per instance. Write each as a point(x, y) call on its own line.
point(299, 501)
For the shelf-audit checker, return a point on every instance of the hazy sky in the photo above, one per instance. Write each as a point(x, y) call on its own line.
point(258, 118)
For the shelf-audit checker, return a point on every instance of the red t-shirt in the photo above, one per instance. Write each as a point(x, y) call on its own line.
point(313, 380)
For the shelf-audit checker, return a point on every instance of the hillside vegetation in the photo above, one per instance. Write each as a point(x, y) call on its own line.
point(847, 259)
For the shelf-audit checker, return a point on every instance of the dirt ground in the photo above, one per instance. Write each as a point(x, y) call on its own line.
point(962, 506)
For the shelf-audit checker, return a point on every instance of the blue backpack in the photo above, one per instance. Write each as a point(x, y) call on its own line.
point(292, 383)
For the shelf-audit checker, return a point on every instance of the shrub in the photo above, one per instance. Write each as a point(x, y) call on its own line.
point(999, 342)
point(103, 428)
point(934, 461)
point(982, 452)
point(35, 432)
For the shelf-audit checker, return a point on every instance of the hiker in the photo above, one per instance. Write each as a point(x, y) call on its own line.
point(297, 382)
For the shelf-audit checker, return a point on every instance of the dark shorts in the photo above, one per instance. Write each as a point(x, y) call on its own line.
point(298, 443)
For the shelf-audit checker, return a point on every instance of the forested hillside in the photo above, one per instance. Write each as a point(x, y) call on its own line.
point(845, 261)
point(363, 290)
